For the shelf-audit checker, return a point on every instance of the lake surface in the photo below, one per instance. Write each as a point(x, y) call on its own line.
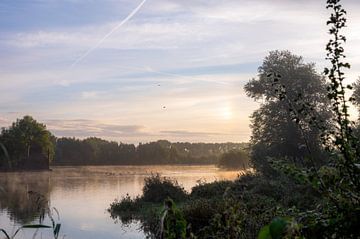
point(82, 196)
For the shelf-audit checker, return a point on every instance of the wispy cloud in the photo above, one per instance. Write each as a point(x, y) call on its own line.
point(130, 133)
point(91, 128)
point(176, 70)
point(185, 133)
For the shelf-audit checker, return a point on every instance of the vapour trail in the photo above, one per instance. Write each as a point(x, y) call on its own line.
point(107, 35)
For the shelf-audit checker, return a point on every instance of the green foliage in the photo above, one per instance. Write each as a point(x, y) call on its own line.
point(173, 221)
point(127, 210)
point(198, 212)
point(337, 214)
point(227, 224)
point(157, 189)
point(251, 196)
point(277, 228)
point(355, 98)
point(241, 216)
point(210, 190)
point(196, 209)
point(241, 207)
point(234, 160)
point(71, 151)
point(5, 159)
point(274, 131)
point(22, 137)
point(126, 207)
point(147, 208)
point(281, 227)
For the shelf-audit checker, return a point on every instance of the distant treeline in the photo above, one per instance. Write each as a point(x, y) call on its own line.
point(28, 145)
point(96, 151)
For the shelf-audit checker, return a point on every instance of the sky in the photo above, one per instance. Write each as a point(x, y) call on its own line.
point(172, 70)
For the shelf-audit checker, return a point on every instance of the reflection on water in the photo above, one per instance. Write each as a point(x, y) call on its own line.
point(82, 195)
point(23, 198)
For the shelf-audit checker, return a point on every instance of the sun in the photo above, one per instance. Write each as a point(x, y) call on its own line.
point(226, 113)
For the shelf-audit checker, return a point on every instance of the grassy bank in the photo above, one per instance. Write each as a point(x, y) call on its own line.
point(220, 209)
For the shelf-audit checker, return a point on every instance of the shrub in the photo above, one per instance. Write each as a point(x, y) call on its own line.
point(125, 206)
point(210, 190)
point(127, 210)
point(198, 212)
point(157, 189)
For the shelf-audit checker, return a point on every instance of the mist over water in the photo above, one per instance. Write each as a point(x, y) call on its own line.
point(82, 195)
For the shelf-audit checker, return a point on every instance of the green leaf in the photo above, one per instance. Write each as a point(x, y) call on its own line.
point(277, 228)
point(265, 233)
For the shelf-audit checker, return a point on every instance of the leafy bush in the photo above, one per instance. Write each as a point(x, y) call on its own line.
point(126, 208)
point(337, 213)
point(157, 189)
point(148, 207)
point(240, 217)
point(239, 208)
point(210, 190)
point(198, 212)
point(174, 224)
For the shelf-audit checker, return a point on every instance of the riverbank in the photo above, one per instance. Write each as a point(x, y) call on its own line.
point(239, 207)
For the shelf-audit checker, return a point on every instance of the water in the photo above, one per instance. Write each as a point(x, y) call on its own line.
point(82, 195)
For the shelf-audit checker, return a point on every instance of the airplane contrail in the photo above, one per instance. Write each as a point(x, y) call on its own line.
point(107, 35)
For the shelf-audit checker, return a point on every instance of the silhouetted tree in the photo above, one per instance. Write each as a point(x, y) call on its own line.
point(355, 99)
point(274, 132)
point(356, 93)
point(71, 151)
point(22, 135)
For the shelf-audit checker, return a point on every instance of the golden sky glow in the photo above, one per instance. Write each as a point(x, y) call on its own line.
point(174, 70)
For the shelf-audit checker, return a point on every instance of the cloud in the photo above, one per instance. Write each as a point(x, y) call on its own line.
point(201, 53)
point(90, 94)
point(82, 128)
point(90, 128)
point(185, 133)
point(214, 27)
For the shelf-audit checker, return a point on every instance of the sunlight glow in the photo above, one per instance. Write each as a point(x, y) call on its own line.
point(226, 113)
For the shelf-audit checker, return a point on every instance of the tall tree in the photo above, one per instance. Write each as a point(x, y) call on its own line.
point(356, 93)
point(355, 99)
point(22, 135)
point(274, 132)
